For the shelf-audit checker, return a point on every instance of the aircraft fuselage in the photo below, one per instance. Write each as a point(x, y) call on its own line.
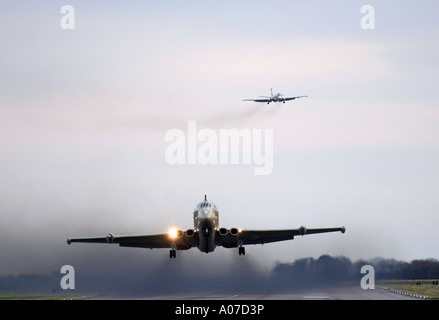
point(206, 221)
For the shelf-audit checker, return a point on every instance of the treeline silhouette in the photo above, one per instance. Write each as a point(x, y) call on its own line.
point(305, 272)
point(332, 270)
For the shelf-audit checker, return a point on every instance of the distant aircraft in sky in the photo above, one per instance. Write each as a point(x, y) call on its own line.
point(278, 97)
point(206, 235)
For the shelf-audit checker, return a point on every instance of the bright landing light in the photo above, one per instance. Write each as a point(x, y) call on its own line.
point(172, 233)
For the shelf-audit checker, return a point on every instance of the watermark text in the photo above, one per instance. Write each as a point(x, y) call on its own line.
point(228, 146)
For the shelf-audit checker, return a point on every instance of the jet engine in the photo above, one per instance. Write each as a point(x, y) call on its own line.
point(302, 230)
point(173, 233)
point(110, 238)
point(234, 231)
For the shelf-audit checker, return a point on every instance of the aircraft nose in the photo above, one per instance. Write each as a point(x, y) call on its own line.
point(204, 213)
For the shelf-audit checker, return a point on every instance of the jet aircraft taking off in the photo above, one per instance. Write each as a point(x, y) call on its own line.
point(278, 97)
point(206, 235)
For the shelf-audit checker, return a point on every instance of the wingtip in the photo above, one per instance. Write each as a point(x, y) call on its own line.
point(69, 241)
point(343, 229)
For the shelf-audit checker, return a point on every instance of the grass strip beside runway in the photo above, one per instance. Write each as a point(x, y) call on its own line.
point(425, 289)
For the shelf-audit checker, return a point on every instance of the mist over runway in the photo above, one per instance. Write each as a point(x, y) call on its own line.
point(320, 278)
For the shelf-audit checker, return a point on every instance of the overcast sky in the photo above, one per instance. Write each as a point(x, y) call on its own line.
point(84, 113)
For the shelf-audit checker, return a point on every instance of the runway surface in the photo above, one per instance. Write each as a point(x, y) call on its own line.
point(338, 293)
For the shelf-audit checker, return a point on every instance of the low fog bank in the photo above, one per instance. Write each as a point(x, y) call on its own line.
point(168, 278)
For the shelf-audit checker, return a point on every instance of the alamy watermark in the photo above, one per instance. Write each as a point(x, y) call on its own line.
point(367, 281)
point(68, 19)
point(67, 22)
point(368, 19)
point(228, 146)
point(67, 281)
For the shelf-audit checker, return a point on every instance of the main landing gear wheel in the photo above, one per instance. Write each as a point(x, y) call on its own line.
point(172, 253)
point(241, 251)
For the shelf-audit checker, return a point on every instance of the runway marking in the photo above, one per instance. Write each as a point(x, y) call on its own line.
point(317, 297)
point(233, 296)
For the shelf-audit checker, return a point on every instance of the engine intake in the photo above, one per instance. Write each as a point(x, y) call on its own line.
point(234, 231)
point(189, 233)
point(223, 231)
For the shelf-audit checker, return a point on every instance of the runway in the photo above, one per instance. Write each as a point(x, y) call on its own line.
point(351, 292)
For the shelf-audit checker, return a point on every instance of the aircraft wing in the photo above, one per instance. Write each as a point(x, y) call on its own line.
point(292, 98)
point(156, 241)
point(266, 236)
point(258, 100)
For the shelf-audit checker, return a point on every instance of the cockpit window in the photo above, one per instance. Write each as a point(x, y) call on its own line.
point(204, 204)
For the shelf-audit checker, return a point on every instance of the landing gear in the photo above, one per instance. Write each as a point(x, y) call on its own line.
point(241, 249)
point(172, 253)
